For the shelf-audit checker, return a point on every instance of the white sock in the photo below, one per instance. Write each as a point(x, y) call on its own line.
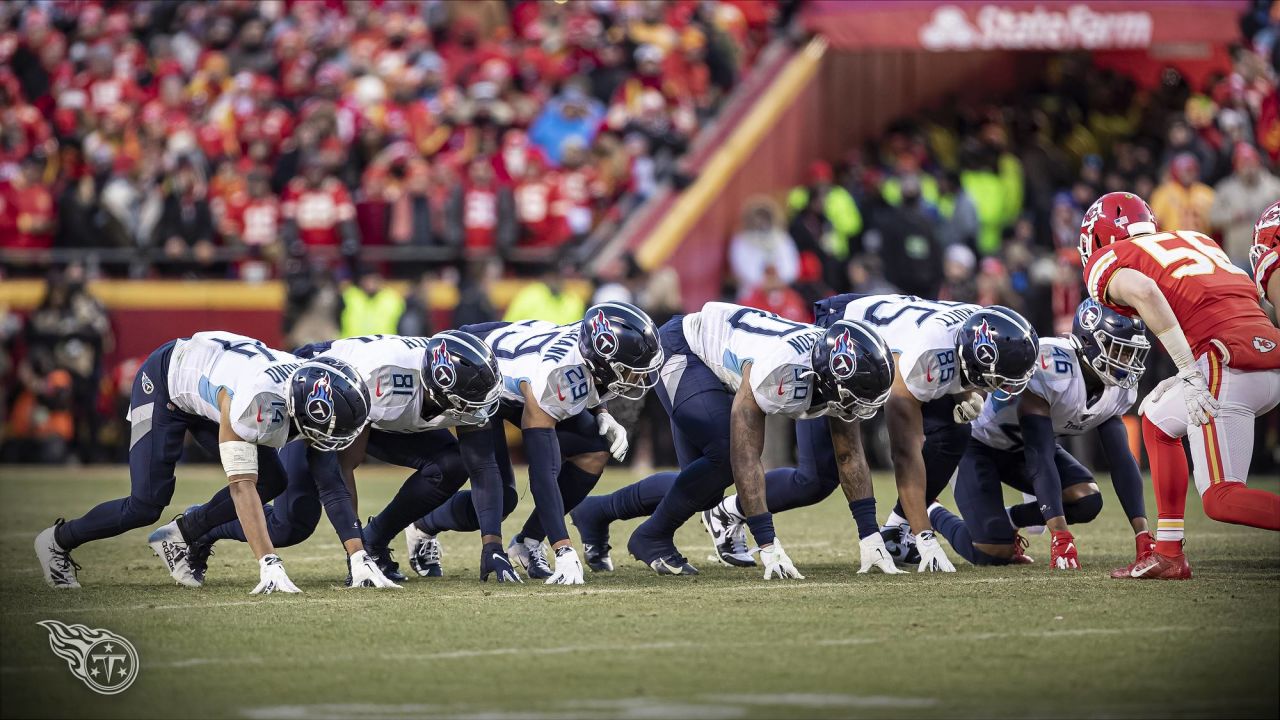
point(730, 505)
point(929, 510)
point(895, 520)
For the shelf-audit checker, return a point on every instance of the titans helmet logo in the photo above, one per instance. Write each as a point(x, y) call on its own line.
point(1090, 315)
point(984, 345)
point(320, 401)
point(843, 361)
point(442, 367)
point(603, 338)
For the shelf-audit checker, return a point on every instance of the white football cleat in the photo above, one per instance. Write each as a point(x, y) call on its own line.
point(59, 569)
point(728, 536)
point(424, 552)
point(168, 545)
point(530, 555)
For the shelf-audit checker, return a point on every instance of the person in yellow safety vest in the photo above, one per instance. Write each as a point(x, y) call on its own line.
point(546, 299)
point(838, 205)
point(906, 165)
point(370, 308)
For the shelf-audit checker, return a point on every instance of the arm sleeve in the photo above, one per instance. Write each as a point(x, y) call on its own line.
point(543, 448)
point(1125, 475)
point(1037, 434)
point(479, 455)
point(334, 494)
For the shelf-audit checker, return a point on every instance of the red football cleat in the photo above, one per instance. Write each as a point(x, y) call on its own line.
point(1062, 551)
point(1155, 567)
point(1020, 556)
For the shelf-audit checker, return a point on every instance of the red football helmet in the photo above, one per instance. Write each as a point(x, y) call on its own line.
point(1266, 234)
point(1115, 216)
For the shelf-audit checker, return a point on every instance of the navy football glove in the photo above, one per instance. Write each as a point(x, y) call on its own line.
point(493, 559)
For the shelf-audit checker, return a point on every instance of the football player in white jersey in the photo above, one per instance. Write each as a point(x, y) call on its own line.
point(1082, 382)
point(420, 388)
point(556, 381)
point(947, 355)
point(727, 368)
point(239, 399)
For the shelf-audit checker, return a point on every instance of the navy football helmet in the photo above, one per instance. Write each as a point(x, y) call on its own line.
point(461, 378)
point(328, 402)
point(853, 370)
point(620, 345)
point(1113, 345)
point(997, 349)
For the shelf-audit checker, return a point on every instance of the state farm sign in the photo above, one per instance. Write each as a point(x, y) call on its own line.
point(1001, 27)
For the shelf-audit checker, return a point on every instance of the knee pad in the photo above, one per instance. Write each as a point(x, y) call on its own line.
point(453, 473)
point(1215, 499)
point(143, 513)
point(981, 558)
point(1083, 510)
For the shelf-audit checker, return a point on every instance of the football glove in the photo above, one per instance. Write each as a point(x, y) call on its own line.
point(932, 557)
point(613, 431)
point(967, 409)
point(494, 560)
point(1062, 551)
point(876, 555)
point(366, 573)
point(776, 563)
point(568, 568)
point(1157, 392)
point(272, 577)
point(1202, 406)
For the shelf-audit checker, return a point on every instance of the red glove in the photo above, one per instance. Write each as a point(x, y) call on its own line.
point(1062, 551)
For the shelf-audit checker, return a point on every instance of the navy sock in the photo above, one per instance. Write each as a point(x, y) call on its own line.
point(229, 531)
point(1026, 514)
point(953, 529)
point(457, 513)
point(864, 515)
point(699, 487)
point(762, 528)
point(575, 484)
point(788, 488)
point(635, 500)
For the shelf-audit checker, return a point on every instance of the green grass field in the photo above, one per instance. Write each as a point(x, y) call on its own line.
point(1006, 642)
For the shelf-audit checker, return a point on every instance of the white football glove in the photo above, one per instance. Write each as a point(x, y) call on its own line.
point(272, 577)
point(875, 555)
point(968, 409)
point(1202, 406)
point(613, 431)
point(366, 573)
point(568, 568)
point(932, 556)
point(776, 563)
point(1158, 392)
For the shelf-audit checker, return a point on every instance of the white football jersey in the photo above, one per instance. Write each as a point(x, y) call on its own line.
point(922, 333)
point(391, 365)
point(727, 337)
point(1059, 380)
point(547, 357)
point(254, 375)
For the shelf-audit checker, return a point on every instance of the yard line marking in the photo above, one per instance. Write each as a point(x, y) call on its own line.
point(819, 700)
point(561, 650)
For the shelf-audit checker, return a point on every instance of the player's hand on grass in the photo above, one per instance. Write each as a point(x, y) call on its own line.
point(613, 431)
point(932, 557)
point(493, 559)
point(272, 577)
point(967, 409)
point(366, 573)
point(568, 568)
point(1202, 406)
point(777, 563)
point(876, 555)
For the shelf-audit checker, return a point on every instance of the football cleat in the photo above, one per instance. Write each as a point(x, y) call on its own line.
point(901, 544)
point(1145, 545)
point(530, 555)
point(673, 565)
point(424, 552)
point(1155, 567)
point(198, 554)
point(1062, 551)
point(728, 537)
point(59, 569)
point(1020, 556)
point(591, 528)
point(382, 555)
point(168, 545)
point(597, 557)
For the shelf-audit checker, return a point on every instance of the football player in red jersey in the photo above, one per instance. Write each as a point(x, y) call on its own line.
point(1205, 312)
point(1265, 254)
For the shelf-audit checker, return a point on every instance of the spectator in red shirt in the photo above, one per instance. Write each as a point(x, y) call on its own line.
point(251, 217)
point(28, 202)
point(481, 216)
point(318, 211)
point(535, 191)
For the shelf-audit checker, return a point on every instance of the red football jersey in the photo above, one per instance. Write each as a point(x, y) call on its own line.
point(317, 211)
point(1212, 299)
point(1264, 267)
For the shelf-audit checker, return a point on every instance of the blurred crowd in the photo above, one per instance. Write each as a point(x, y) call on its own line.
point(220, 139)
